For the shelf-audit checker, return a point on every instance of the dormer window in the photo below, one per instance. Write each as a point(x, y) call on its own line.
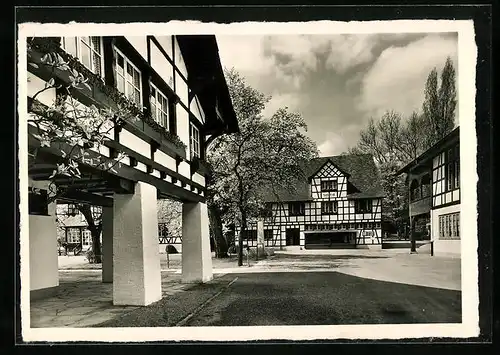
point(328, 185)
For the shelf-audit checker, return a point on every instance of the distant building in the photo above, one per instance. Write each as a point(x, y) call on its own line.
point(72, 227)
point(339, 205)
point(434, 191)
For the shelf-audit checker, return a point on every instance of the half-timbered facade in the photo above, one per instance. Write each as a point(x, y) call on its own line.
point(175, 88)
point(434, 190)
point(338, 206)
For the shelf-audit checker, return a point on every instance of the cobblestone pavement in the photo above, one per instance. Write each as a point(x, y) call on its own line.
point(83, 300)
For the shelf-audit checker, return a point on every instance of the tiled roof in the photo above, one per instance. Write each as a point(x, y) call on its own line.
point(363, 180)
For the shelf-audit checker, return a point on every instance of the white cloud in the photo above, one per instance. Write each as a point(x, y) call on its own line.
point(334, 144)
point(397, 79)
point(290, 100)
point(347, 51)
point(249, 56)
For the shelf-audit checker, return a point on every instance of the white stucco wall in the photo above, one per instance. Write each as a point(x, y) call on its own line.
point(445, 247)
point(199, 179)
point(140, 44)
point(36, 84)
point(165, 160)
point(133, 142)
point(185, 169)
point(161, 65)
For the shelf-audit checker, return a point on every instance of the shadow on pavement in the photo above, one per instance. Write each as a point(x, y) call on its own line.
point(319, 298)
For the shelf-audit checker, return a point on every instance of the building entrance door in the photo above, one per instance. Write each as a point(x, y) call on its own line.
point(293, 236)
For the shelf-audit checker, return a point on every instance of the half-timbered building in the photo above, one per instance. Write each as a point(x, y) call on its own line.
point(182, 103)
point(339, 205)
point(433, 181)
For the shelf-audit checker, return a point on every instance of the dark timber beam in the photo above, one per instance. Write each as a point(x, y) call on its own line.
point(80, 196)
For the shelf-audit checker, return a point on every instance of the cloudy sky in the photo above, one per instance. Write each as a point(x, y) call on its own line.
point(337, 82)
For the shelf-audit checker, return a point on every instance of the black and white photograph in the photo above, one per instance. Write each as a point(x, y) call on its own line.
point(247, 181)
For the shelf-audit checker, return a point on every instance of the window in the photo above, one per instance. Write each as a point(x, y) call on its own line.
point(128, 78)
point(86, 236)
point(329, 185)
point(73, 235)
point(453, 168)
point(296, 209)
point(426, 186)
point(363, 206)
point(73, 210)
point(159, 107)
point(449, 226)
point(87, 49)
point(414, 190)
point(194, 135)
point(329, 207)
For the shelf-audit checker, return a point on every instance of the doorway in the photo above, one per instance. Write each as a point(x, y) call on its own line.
point(293, 236)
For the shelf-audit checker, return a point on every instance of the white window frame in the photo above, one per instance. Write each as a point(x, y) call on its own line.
point(194, 152)
point(92, 51)
point(126, 62)
point(74, 238)
point(157, 108)
point(86, 237)
point(449, 226)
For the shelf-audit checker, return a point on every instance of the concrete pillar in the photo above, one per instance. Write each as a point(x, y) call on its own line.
point(43, 263)
point(260, 233)
point(196, 254)
point(107, 244)
point(136, 259)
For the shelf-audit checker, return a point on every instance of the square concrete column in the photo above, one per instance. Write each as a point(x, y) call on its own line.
point(107, 244)
point(260, 233)
point(43, 256)
point(196, 254)
point(136, 259)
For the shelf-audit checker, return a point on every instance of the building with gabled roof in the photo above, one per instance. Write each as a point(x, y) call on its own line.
point(337, 205)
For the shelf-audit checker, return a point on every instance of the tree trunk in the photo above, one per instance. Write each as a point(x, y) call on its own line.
point(240, 238)
point(95, 230)
point(96, 243)
point(220, 242)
